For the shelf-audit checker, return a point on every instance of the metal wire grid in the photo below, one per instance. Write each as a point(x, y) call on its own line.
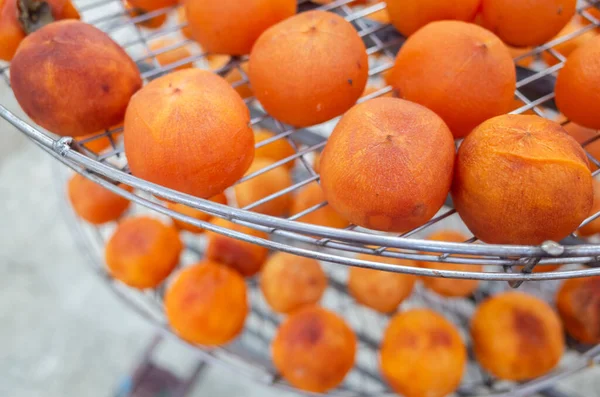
point(112, 17)
point(247, 355)
point(250, 353)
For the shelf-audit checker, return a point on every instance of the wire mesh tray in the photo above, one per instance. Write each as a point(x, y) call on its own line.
point(249, 354)
point(534, 90)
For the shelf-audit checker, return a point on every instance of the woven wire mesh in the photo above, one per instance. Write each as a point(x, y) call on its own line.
point(534, 94)
point(249, 353)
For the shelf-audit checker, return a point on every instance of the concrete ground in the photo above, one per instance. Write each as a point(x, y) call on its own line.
point(63, 333)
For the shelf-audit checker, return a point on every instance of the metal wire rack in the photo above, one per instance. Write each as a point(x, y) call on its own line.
point(534, 90)
point(249, 354)
point(333, 246)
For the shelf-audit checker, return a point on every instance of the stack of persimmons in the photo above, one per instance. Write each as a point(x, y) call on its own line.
point(389, 165)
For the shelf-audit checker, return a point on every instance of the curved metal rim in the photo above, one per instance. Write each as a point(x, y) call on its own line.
point(300, 232)
point(62, 147)
point(339, 259)
point(326, 257)
point(261, 374)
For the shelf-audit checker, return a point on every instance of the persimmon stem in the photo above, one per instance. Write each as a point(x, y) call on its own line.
point(34, 14)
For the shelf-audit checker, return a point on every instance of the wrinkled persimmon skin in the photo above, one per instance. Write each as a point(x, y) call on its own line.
point(289, 282)
point(380, 290)
point(309, 68)
point(537, 182)
point(567, 47)
point(142, 252)
point(578, 303)
point(75, 95)
point(433, 347)
point(189, 131)
point(388, 165)
point(526, 23)
point(246, 258)
point(408, 16)
point(11, 31)
point(586, 138)
point(517, 336)
point(63, 9)
point(152, 5)
point(459, 70)
point(232, 26)
point(94, 203)
point(314, 349)
point(207, 303)
point(577, 93)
